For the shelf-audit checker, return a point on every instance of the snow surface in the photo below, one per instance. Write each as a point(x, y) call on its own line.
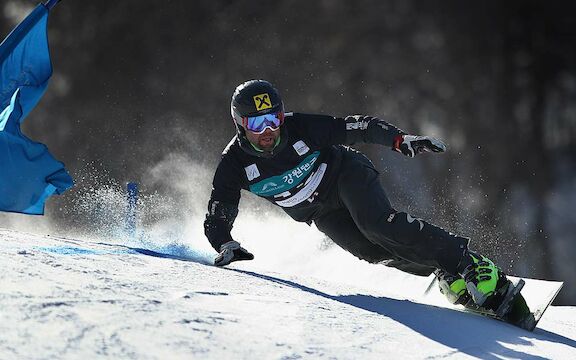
point(80, 299)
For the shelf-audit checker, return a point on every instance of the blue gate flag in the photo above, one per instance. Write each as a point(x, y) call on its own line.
point(28, 172)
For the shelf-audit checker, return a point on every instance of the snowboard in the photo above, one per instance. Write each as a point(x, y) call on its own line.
point(518, 309)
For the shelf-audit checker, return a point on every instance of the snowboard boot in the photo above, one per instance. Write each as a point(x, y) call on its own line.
point(453, 287)
point(485, 282)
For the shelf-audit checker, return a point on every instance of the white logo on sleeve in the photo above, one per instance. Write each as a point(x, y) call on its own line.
point(301, 147)
point(411, 220)
point(358, 125)
point(252, 172)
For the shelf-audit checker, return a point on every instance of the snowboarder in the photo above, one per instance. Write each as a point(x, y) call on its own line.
point(300, 162)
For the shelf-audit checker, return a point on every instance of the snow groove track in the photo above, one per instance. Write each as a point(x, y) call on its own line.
point(69, 299)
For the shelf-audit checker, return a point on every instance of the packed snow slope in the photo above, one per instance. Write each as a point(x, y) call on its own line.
point(77, 299)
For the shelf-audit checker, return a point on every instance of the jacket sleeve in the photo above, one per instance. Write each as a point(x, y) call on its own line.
point(329, 130)
point(370, 130)
point(223, 204)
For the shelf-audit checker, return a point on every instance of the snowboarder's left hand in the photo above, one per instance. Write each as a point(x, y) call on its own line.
point(410, 145)
point(232, 251)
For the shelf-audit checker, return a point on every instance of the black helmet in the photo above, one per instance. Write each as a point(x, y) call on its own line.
point(253, 98)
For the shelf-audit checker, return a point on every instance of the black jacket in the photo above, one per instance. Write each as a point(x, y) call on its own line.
point(297, 175)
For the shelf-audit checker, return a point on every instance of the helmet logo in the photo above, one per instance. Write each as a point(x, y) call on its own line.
point(262, 102)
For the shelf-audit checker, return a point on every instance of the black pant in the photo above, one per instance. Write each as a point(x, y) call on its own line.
point(361, 220)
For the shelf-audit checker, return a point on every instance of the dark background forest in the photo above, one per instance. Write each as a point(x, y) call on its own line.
point(135, 81)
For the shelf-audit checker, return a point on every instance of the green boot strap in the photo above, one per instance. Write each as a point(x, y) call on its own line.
point(455, 292)
point(486, 275)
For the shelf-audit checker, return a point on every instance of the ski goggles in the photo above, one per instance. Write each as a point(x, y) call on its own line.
point(259, 124)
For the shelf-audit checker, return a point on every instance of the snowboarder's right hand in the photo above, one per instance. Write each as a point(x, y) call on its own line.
point(411, 145)
point(232, 251)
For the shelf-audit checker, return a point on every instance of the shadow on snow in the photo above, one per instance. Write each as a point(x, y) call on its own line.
point(452, 328)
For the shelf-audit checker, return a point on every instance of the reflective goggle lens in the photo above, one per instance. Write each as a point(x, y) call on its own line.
point(258, 124)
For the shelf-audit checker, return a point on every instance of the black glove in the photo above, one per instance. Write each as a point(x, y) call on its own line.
point(231, 251)
point(410, 145)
